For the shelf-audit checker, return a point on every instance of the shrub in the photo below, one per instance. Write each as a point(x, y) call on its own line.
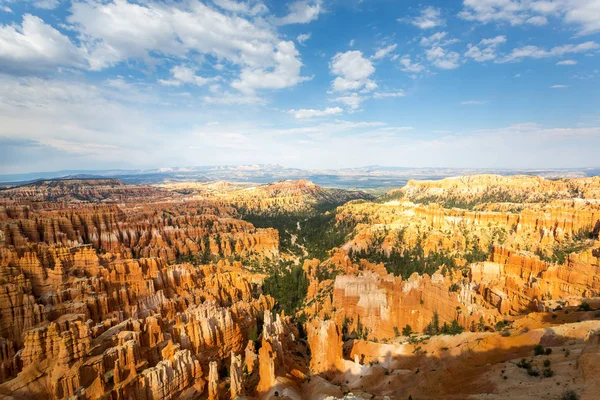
point(524, 364)
point(505, 333)
point(538, 350)
point(548, 351)
point(501, 325)
point(584, 306)
point(548, 372)
point(533, 372)
point(407, 330)
point(546, 363)
point(569, 395)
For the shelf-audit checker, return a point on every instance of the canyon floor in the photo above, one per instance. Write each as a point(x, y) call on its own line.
point(474, 287)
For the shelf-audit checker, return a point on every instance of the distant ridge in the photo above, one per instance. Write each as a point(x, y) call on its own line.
point(365, 177)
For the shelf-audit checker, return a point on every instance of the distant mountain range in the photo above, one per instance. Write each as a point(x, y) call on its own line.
point(368, 177)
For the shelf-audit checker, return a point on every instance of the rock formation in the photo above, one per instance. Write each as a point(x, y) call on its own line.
point(117, 291)
point(235, 373)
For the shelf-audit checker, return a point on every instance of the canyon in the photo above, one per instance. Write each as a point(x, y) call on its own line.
point(472, 287)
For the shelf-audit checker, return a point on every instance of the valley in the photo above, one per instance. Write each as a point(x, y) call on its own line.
point(470, 287)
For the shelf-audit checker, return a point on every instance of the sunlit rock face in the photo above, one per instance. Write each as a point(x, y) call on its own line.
point(117, 291)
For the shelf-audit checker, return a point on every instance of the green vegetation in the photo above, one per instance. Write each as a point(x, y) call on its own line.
point(288, 286)
point(560, 252)
point(434, 328)
point(407, 330)
point(585, 306)
point(538, 350)
point(491, 195)
point(403, 263)
point(569, 395)
point(306, 235)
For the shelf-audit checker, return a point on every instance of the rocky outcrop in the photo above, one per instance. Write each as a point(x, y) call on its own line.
point(80, 190)
point(213, 381)
point(476, 189)
point(235, 373)
point(325, 342)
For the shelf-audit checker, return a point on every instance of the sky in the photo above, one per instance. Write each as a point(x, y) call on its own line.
point(316, 84)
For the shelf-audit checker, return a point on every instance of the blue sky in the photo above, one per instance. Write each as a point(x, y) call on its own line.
point(88, 84)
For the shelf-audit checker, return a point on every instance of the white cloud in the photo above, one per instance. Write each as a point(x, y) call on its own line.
point(583, 13)
point(41, 4)
point(303, 38)
point(46, 4)
point(433, 39)
point(75, 119)
point(538, 20)
point(443, 59)
point(36, 46)
point(227, 98)
point(118, 31)
point(385, 95)
point(353, 72)
point(242, 7)
point(430, 17)
point(485, 50)
point(536, 52)
point(351, 43)
point(384, 51)
point(558, 86)
point(301, 12)
point(408, 66)
point(567, 62)
point(182, 74)
point(472, 102)
point(284, 74)
point(352, 101)
point(311, 113)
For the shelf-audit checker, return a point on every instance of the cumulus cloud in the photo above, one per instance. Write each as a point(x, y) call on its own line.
point(352, 101)
point(485, 50)
point(353, 71)
point(430, 17)
point(182, 74)
point(520, 53)
point(582, 13)
point(117, 31)
point(301, 12)
point(442, 58)
point(36, 46)
point(407, 65)
point(437, 39)
point(384, 51)
point(285, 73)
point(311, 113)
